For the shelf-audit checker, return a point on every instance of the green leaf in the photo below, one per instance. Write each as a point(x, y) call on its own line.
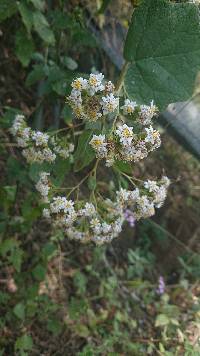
point(163, 44)
point(7, 9)
point(24, 47)
point(77, 307)
point(123, 167)
point(54, 326)
point(10, 192)
point(80, 282)
point(49, 250)
point(16, 259)
point(162, 320)
point(82, 37)
point(70, 63)
point(19, 311)
point(82, 331)
point(60, 170)
point(24, 342)
point(26, 15)
point(60, 20)
point(92, 183)
point(84, 153)
point(39, 4)
point(7, 246)
point(66, 114)
point(39, 272)
point(36, 74)
point(41, 26)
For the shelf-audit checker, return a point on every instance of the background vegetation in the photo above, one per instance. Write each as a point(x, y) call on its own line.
point(58, 297)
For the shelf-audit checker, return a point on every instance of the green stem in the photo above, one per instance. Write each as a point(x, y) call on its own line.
point(120, 81)
point(93, 171)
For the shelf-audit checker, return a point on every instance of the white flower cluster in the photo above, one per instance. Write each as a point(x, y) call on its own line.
point(36, 144)
point(143, 202)
point(62, 147)
point(143, 114)
point(124, 145)
point(84, 222)
point(43, 186)
point(91, 99)
point(146, 113)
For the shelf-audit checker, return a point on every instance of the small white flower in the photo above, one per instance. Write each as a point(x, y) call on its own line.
point(42, 185)
point(122, 195)
point(99, 145)
point(89, 210)
point(95, 83)
point(18, 124)
point(106, 228)
point(147, 112)
point(40, 138)
point(151, 185)
point(109, 87)
point(117, 227)
point(152, 137)
point(96, 226)
point(80, 84)
point(110, 160)
point(145, 207)
point(47, 155)
point(109, 104)
point(134, 195)
point(68, 206)
point(58, 204)
point(46, 213)
point(165, 181)
point(64, 152)
point(94, 115)
point(24, 137)
point(75, 98)
point(129, 107)
point(125, 134)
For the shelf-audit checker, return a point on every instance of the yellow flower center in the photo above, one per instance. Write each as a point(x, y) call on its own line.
point(77, 84)
point(155, 134)
point(97, 142)
point(93, 81)
point(129, 109)
point(127, 133)
point(78, 112)
point(93, 114)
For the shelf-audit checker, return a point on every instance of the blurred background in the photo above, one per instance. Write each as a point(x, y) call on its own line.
point(137, 296)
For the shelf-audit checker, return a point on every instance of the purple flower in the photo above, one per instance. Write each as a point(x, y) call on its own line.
point(161, 286)
point(129, 217)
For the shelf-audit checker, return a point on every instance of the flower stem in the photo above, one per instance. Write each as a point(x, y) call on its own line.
point(120, 81)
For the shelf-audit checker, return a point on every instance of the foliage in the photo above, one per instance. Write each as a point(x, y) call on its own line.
point(56, 296)
point(162, 34)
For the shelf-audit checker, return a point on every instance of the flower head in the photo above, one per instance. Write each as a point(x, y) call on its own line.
point(147, 112)
point(129, 107)
point(95, 83)
point(109, 104)
point(80, 84)
point(99, 144)
point(125, 134)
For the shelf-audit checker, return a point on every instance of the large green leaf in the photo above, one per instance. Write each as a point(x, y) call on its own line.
point(163, 46)
point(84, 153)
